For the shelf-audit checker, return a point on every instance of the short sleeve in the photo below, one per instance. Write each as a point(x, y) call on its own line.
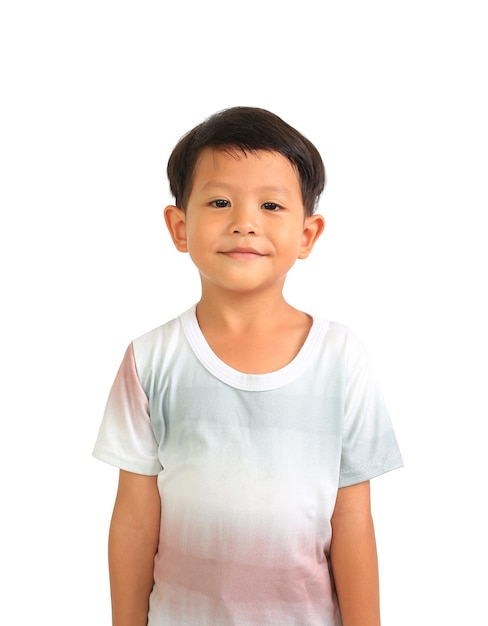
point(126, 438)
point(369, 446)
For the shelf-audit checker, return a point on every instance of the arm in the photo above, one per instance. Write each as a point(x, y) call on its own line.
point(133, 543)
point(353, 557)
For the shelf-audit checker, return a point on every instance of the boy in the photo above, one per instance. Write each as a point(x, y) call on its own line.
point(245, 431)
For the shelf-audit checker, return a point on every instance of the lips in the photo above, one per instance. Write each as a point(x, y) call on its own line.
point(243, 253)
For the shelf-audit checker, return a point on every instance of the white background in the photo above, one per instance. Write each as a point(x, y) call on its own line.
point(94, 97)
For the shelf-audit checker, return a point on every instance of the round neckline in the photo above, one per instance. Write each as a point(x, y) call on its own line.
point(250, 382)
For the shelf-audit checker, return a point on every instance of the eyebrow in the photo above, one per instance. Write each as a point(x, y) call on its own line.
point(265, 189)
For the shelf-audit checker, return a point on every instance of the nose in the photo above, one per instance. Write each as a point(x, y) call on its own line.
point(245, 220)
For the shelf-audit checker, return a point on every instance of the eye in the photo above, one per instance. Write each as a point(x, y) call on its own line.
point(271, 206)
point(220, 204)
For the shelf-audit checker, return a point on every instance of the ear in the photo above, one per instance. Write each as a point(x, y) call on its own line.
point(313, 227)
point(175, 219)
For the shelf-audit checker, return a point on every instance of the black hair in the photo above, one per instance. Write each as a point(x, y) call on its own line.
point(247, 129)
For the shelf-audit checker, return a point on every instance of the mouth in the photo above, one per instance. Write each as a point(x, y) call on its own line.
point(243, 253)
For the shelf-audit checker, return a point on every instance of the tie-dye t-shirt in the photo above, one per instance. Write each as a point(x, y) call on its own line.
point(248, 469)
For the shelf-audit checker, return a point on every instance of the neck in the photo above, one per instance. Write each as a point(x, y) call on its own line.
point(239, 312)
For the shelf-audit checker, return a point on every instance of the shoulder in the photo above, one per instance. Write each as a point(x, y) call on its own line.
point(340, 349)
point(159, 344)
point(339, 337)
point(156, 337)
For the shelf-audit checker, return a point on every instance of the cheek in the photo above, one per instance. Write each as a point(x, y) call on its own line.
point(295, 239)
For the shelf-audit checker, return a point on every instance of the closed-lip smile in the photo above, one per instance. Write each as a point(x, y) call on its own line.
point(240, 252)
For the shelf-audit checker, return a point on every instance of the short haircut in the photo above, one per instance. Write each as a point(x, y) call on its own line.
point(247, 129)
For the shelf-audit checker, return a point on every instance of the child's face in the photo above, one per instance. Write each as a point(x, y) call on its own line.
point(244, 225)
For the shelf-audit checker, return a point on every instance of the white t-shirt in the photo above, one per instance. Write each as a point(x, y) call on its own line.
point(248, 469)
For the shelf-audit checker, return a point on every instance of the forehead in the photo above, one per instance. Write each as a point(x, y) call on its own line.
point(238, 168)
